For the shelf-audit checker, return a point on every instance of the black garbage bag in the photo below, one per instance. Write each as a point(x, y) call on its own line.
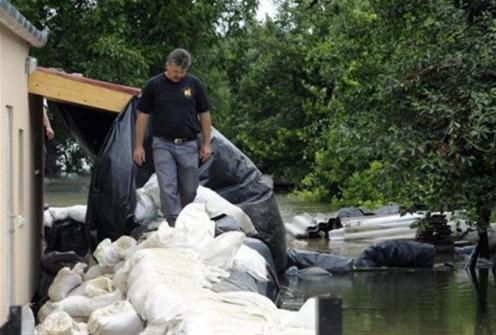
point(303, 259)
point(397, 254)
point(67, 235)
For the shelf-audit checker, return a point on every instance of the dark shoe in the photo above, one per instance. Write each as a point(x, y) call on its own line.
point(171, 222)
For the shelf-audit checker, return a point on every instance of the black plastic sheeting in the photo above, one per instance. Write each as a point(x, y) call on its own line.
point(112, 190)
point(224, 224)
point(398, 254)
point(234, 176)
point(89, 126)
point(115, 178)
point(303, 259)
point(67, 235)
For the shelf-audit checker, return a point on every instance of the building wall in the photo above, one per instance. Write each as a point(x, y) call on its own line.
point(20, 176)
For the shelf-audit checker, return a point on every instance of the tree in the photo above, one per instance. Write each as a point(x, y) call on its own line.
point(443, 108)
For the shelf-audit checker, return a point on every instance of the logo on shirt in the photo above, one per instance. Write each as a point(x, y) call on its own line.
point(187, 92)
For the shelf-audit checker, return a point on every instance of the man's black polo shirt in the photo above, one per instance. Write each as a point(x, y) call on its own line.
point(174, 106)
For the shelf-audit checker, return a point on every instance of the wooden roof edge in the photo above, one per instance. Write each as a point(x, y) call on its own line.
point(78, 77)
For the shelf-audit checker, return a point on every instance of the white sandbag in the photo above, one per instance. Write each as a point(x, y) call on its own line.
point(163, 237)
point(251, 262)
point(162, 302)
point(109, 254)
point(99, 286)
point(194, 227)
point(220, 251)
point(65, 281)
point(120, 318)
point(124, 245)
point(119, 280)
point(106, 254)
point(148, 204)
point(97, 271)
point(145, 207)
point(105, 300)
point(75, 306)
point(47, 218)
point(80, 306)
point(160, 279)
point(77, 213)
point(48, 308)
point(193, 230)
point(246, 313)
point(94, 287)
point(216, 205)
point(61, 323)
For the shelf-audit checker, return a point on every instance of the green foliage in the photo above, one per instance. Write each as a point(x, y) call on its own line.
point(369, 184)
point(358, 102)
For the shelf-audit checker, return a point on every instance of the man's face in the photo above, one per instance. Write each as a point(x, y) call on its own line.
point(175, 73)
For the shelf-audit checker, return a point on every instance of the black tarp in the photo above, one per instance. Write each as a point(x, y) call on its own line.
point(303, 259)
point(67, 235)
point(89, 126)
point(397, 253)
point(115, 178)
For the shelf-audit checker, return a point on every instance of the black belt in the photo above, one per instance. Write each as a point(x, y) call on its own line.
point(179, 140)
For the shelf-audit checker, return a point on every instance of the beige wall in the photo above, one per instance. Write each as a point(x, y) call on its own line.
point(20, 200)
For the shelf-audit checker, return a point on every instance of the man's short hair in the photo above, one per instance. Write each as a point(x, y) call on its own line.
point(180, 58)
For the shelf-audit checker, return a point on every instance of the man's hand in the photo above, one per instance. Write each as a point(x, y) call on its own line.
point(50, 133)
point(205, 152)
point(139, 155)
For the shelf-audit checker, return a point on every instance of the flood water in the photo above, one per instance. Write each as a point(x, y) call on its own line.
point(385, 303)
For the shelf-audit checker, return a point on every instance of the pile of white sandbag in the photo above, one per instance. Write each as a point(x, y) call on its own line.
point(148, 205)
point(162, 285)
point(54, 214)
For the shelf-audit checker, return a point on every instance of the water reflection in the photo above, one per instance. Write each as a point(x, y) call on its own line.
point(392, 303)
point(423, 302)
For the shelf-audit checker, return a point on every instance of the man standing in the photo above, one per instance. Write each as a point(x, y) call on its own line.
point(180, 110)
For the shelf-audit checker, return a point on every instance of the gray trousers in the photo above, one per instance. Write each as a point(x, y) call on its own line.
point(176, 166)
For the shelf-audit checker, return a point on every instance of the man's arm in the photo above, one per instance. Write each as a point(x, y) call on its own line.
point(139, 150)
point(206, 125)
point(46, 123)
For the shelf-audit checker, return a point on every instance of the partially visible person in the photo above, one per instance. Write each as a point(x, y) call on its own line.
point(180, 110)
point(50, 134)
